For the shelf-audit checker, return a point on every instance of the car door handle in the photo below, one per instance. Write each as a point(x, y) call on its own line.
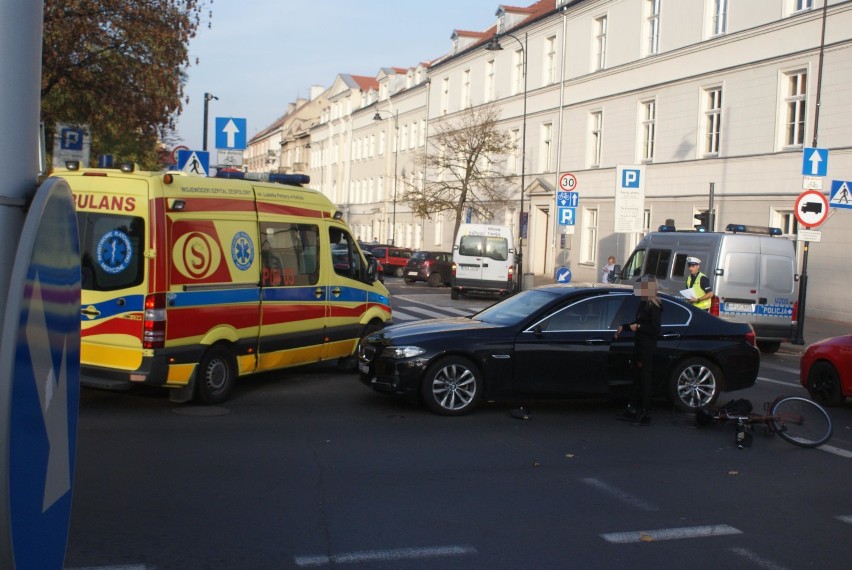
point(90, 311)
point(336, 291)
point(670, 336)
point(595, 341)
point(318, 292)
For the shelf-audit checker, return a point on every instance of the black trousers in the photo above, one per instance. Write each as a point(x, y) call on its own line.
point(643, 379)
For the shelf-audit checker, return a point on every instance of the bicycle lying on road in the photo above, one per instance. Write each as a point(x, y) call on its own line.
point(798, 420)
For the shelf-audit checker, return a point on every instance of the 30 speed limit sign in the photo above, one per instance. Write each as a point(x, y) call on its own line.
point(567, 182)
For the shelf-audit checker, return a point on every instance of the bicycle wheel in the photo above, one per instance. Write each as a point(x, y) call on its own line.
point(800, 421)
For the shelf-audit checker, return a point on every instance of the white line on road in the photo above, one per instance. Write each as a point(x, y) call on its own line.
point(385, 555)
point(755, 559)
point(400, 316)
point(773, 381)
point(125, 567)
point(844, 518)
point(836, 451)
point(619, 494)
point(427, 312)
point(670, 534)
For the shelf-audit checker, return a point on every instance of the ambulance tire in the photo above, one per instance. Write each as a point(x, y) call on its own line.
point(216, 375)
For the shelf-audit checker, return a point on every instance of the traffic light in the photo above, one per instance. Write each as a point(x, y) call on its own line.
point(704, 221)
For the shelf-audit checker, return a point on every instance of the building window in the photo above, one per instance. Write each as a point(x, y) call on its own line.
point(518, 72)
point(465, 93)
point(719, 17)
point(515, 158)
point(590, 235)
point(549, 72)
point(413, 141)
point(786, 220)
point(712, 120)
point(795, 102)
point(421, 137)
point(600, 44)
point(489, 81)
point(595, 137)
point(445, 96)
point(649, 122)
point(381, 143)
point(652, 27)
point(800, 5)
point(546, 146)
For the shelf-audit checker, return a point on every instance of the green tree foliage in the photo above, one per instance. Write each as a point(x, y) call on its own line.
point(465, 167)
point(120, 67)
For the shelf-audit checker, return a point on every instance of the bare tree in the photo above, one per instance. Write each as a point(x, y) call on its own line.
point(464, 167)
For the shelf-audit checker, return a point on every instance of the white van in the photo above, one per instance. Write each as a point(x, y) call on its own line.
point(751, 270)
point(483, 260)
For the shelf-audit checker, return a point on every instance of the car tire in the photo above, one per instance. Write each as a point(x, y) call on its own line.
point(824, 384)
point(454, 294)
point(434, 280)
point(397, 272)
point(215, 375)
point(768, 347)
point(452, 386)
point(409, 281)
point(695, 382)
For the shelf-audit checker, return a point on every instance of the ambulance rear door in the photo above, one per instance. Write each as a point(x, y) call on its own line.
point(112, 219)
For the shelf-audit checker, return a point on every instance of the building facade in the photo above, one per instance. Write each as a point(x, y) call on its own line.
point(712, 101)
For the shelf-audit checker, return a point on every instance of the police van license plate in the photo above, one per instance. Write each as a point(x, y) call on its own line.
point(739, 307)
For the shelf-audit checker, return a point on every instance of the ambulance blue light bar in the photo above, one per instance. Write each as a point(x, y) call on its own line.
point(290, 179)
point(746, 229)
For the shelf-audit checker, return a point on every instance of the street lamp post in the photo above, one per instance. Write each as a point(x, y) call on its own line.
point(207, 98)
point(494, 45)
point(395, 116)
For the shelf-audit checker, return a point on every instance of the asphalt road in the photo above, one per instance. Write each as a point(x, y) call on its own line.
point(310, 469)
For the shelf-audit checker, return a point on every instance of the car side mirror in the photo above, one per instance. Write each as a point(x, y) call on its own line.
point(372, 271)
point(615, 274)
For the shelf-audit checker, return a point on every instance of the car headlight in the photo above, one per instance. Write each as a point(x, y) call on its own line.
point(400, 352)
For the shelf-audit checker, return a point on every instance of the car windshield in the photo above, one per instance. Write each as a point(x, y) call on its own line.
point(419, 255)
point(515, 309)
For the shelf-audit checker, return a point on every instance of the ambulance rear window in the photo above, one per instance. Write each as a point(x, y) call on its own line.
point(111, 250)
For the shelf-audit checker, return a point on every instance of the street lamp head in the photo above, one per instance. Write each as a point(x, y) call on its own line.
point(210, 96)
point(493, 44)
point(377, 116)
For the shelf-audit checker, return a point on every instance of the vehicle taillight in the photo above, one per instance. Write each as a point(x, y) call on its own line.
point(714, 306)
point(751, 338)
point(796, 313)
point(511, 274)
point(453, 269)
point(427, 263)
point(154, 323)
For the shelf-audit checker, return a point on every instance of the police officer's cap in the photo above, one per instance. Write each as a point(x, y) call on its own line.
point(693, 261)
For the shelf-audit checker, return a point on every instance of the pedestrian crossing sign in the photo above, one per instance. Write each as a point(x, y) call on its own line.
point(195, 162)
point(841, 194)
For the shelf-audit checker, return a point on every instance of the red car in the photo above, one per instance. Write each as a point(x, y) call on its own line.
point(826, 370)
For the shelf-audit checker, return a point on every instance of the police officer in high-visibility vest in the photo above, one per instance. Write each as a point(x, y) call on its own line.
point(699, 283)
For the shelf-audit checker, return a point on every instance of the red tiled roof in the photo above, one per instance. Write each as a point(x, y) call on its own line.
point(365, 83)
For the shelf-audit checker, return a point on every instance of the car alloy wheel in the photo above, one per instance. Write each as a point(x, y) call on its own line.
point(451, 386)
point(824, 384)
point(695, 383)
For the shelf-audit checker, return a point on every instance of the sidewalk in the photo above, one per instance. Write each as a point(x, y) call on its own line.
point(815, 329)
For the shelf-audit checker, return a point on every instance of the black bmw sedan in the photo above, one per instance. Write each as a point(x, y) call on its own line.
point(557, 341)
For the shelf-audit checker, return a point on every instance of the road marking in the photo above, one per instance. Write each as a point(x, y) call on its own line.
point(844, 518)
point(462, 312)
point(755, 559)
point(619, 494)
point(427, 312)
point(400, 316)
point(384, 555)
point(835, 451)
point(124, 567)
point(772, 380)
point(670, 534)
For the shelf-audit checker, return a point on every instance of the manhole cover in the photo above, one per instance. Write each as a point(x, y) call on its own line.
point(201, 411)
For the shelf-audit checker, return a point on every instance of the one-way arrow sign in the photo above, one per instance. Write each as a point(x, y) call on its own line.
point(815, 161)
point(230, 133)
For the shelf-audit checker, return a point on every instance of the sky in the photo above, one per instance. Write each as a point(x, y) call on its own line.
point(259, 55)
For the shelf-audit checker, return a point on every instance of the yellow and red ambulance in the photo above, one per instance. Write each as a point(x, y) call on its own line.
point(189, 282)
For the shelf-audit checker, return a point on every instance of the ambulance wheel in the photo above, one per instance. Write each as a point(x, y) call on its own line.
point(215, 376)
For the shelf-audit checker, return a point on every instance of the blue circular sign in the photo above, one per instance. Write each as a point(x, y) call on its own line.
point(40, 384)
point(563, 275)
point(114, 251)
point(242, 251)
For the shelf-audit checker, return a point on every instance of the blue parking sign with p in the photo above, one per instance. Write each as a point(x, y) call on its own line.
point(566, 216)
point(630, 178)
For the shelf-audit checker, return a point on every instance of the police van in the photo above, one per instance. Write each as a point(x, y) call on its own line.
point(483, 260)
point(189, 282)
point(751, 270)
